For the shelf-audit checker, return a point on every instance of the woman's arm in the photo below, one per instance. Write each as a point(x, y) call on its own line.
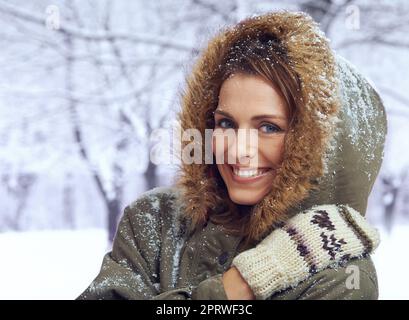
point(227, 286)
point(133, 268)
point(127, 271)
point(355, 280)
point(308, 244)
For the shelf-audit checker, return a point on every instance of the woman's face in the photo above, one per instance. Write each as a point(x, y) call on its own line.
point(247, 161)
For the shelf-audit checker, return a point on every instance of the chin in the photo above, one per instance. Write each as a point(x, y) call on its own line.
point(244, 198)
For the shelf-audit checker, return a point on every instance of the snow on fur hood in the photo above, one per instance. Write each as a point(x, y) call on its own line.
point(332, 154)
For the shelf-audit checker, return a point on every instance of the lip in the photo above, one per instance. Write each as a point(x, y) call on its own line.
point(247, 168)
point(245, 179)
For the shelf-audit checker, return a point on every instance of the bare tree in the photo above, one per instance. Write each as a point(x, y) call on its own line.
point(99, 71)
point(393, 189)
point(20, 190)
point(93, 86)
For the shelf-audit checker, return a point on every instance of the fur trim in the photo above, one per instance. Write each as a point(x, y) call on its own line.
point(312, 59)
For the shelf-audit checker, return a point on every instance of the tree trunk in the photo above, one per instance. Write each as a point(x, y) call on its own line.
point(114, 212)
point(151, 178)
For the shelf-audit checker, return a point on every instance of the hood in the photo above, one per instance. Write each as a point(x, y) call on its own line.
point(354, 154)
point(333, 151)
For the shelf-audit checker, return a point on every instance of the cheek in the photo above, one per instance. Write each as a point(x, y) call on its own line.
point(273, 151)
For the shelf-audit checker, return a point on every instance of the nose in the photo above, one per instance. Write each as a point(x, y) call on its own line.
point(245, 148)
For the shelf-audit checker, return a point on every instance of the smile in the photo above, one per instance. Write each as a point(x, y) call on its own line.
point(249, 174)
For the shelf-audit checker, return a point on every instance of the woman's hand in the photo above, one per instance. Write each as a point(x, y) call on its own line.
point(235, 286)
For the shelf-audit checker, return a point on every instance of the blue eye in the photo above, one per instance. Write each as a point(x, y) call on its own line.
point(225, 123)
point(229, 124)
point(270, 128)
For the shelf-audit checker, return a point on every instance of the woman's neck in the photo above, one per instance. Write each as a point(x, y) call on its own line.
point(244, 209)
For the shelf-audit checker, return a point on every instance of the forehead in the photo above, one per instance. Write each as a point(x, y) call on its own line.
point(252, 94)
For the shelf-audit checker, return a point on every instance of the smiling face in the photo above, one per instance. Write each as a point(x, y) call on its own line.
point(249, 166)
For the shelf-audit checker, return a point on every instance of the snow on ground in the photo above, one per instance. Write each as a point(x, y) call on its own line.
point(49, 264)
point(392, 263)
point(61, 264)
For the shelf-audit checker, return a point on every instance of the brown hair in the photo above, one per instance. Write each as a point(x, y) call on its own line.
point(262, 56)
point(290, 50)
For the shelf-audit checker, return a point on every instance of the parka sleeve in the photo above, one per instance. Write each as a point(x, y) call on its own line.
point(125, 272)
point(306, 245)
point(209, 289)
point(131, 269)
point(357, 280)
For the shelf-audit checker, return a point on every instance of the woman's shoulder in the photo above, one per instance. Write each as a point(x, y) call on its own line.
point(156, 194)
point(155, 201)
point(154, 209)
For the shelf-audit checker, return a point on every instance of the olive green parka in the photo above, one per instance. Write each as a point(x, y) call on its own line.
point(332, 158)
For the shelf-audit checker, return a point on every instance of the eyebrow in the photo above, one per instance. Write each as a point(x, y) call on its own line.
point(261, 116)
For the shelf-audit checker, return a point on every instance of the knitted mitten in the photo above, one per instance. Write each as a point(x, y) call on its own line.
point(309, 242)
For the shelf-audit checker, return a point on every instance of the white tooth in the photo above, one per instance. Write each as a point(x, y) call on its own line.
point(248, 173)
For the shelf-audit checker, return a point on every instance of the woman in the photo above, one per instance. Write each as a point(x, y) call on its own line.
point(284, 219)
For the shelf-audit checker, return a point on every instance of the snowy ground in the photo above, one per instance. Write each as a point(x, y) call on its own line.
point(49, 264)
point(61, 264)
point(392, 264)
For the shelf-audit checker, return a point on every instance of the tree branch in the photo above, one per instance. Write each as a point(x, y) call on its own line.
point(97, 35)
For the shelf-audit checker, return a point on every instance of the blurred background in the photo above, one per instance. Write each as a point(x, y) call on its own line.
point(84, 84)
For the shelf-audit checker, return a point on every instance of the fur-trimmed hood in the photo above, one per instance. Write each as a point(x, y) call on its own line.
point(333, 152)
